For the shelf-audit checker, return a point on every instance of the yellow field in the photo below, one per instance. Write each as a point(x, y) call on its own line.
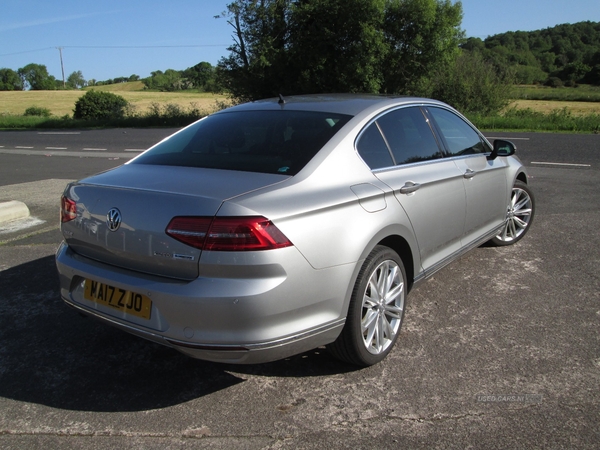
point(546, 106)
point(120, 87)
point(62, 103)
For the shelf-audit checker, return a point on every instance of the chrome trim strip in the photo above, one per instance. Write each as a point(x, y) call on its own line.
point(457, 254)
point(208, 347)
point(262, 345)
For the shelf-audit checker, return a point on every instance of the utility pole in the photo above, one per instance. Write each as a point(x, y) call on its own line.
point(62, 67)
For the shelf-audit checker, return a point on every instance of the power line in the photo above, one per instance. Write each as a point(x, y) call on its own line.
point(28, 51)
point(145, 46)
point(116, 47)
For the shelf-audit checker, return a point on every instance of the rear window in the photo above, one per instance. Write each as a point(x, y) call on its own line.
point(253, 141)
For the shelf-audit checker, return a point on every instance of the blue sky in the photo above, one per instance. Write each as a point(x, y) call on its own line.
point(115, 38)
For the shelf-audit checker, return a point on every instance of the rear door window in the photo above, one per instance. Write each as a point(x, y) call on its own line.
point(409, 136)
point(401, 136)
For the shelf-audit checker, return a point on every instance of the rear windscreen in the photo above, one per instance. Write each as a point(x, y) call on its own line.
point(279, 142)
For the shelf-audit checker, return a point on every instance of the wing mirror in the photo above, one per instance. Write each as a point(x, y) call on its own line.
point(502, 148)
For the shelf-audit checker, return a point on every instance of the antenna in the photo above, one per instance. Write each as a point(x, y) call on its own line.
point(281, 100)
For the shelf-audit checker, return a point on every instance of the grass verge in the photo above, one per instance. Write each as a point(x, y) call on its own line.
point(558, 120)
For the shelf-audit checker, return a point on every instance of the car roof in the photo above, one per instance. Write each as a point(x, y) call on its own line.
point(351, 104)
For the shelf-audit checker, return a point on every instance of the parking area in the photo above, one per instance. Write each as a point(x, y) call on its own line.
point(500, 349)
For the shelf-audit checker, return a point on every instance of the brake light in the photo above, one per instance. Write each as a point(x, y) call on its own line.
point(189, 230)
point(227, 233)
point(68, 209)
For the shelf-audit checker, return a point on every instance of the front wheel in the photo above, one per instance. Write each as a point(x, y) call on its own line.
point(376, 310)
point(519, 216)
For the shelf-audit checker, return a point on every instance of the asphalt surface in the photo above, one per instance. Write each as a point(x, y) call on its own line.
point(501, 349)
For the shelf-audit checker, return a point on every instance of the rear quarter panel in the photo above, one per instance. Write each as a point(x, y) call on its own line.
point(324, 217)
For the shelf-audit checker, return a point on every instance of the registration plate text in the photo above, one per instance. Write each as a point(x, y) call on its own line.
point(129, 302)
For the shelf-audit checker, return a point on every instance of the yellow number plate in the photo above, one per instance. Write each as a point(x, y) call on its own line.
point(136, 304)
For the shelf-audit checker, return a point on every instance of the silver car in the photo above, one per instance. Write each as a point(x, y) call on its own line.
point(278, 226)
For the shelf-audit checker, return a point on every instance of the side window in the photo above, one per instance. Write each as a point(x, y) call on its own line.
point(460, 138)
point(372, 148)
point(409, 136)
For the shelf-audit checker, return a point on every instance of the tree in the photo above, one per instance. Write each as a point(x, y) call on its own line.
point(335, 46)
point(36, 77)
point(423, 36)
point(256, 64)
point(201, 76)
point(303, 46)
point(10, 80)
point(168, 81)
point(76, 80)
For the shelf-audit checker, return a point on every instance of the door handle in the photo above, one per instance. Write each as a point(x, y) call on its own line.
point(469, 174)
point(409, 187)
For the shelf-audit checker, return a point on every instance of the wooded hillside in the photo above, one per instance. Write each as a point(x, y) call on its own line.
point(566, 54)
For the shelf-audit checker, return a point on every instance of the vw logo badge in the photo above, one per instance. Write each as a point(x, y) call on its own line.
point(113, 219)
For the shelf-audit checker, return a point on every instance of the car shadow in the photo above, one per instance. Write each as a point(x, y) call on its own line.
point(53, 356)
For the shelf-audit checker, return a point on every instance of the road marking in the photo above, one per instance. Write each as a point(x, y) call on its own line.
point(95, 149)
point(561, 164)
point(135, 150)
point(56, 148)
point(509, 138)
point(19, 146)
point(59, 132)
point(21, 224)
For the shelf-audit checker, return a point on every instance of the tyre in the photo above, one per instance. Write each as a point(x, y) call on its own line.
point(376, 310)
point(519, 216)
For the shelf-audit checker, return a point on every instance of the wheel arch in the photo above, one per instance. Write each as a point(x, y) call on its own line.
point(404, 245)
point(522, 176)
point(401, 246)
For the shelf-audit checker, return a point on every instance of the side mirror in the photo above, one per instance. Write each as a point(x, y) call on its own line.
point(502, 148)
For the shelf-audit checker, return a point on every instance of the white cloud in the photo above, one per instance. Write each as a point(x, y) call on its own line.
point(46, 21)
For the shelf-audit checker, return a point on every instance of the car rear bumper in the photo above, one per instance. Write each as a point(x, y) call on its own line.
point(268, 314)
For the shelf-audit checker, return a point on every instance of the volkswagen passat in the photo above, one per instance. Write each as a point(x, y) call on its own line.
point(274, 227)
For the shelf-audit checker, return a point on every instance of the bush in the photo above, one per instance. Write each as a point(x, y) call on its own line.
point(472, 85)
point(37, 111)
point(554, 82)
point(100, 105)
point(172, 114)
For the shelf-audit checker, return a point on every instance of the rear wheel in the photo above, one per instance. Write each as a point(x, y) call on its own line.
point(376, 310)
point(519, 216)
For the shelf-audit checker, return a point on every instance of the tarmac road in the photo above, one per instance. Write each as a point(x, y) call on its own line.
point(501, 349)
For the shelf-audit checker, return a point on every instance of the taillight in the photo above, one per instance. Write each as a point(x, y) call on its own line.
point(227, 233)
point(189, 230)
point(68, 209)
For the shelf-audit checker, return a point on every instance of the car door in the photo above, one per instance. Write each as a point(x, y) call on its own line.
point(485, 181)
point(405, 154)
